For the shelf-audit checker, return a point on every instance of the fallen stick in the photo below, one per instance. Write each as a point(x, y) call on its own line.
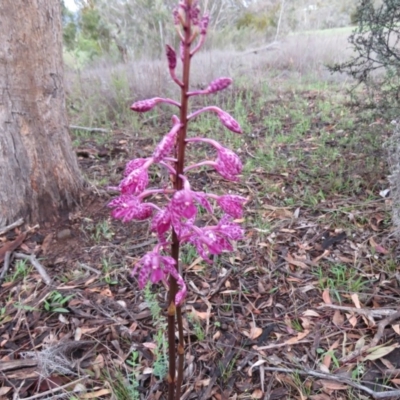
point(57, 389)
point(341, 379)
point(377, 313)
point(11, 226)
point(374, 342)
point(39, 267)
point(89, 129)
point(6, 266)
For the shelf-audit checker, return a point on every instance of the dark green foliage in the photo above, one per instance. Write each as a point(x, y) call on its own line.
point(376, 63)
point(69, 27)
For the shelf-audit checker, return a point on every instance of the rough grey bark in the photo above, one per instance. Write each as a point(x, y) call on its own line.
point(39, 174)
point(393, 149)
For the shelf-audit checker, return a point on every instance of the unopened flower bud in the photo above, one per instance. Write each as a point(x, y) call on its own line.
point(229, 122)
point(171, 56)
point(194, 13)
point(144, 105)
point(204, 24)
point(219, 84)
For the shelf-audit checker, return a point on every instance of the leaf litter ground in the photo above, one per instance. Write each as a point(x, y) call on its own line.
point(305, 307)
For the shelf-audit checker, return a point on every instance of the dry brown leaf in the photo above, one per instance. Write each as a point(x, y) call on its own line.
point(338, 318)
point(352, 319)
point(11, 246)
point(306, 323)
point(320, 396)
point(396, 328)
point(396, 381)
point(4, 390)
point(326, 296)
point(377, 247)
point(378, 352)
point(95, 395)
point(311, 313)
point(295, 262)
point(217, 335)
point(150, 345)
point(324, 254)
point(299, 337)
point(332, 385)
point(257, 394)
point(387, 363)
point(328, 357)
point(255, 332)
point(356, 300)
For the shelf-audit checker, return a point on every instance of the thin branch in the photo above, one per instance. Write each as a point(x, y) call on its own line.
point(57, 389)
point(373, 313)
point(374, 342)
point(341, 379)
point(39, 267)
point(11, 226)
point(6, 266)
point(88, 129)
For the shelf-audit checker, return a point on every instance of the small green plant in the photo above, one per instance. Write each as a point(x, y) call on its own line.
point(340, 278)
point(198, 329)
point(56, 301)
point(21, 270)
point(107, 268)
point(160, 366)
point(330, 353)
point(102, 231)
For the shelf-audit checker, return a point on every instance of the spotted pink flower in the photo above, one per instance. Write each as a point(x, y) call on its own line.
point(230, 229)
point(127, 208)
point(136, 182)
point(232, 204)
point(154, 267)
point(208, 241)
point(167, 143)
point(134, 164)
point(161, 223)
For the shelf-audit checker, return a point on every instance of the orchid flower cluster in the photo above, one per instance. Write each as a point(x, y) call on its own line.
point(178, 216)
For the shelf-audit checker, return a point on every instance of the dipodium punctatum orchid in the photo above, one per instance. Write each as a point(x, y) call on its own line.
point(174, 222)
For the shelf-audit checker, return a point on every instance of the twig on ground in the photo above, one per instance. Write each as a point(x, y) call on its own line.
point(84, 266)
point(39, 267)
point(217, 288)
point(374, 342)
point(57, 389)
point(341, 379)
point(87, 128)
point(6, 266)
point(11, 226)
point(369, 313)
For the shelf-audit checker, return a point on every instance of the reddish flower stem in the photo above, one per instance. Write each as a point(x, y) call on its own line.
point(174, 385)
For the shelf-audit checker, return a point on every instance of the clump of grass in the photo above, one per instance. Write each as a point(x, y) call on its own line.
point(160, 364)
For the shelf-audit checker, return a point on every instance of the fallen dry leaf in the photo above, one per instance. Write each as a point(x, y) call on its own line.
point(356, 300)
point(95, 395)
point(300, 336)
point(332, 385)
point(378, 352)
point(326, 296)
point(257, 394)
point(338, 318)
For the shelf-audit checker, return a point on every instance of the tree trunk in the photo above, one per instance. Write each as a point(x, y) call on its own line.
point(39, 174)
